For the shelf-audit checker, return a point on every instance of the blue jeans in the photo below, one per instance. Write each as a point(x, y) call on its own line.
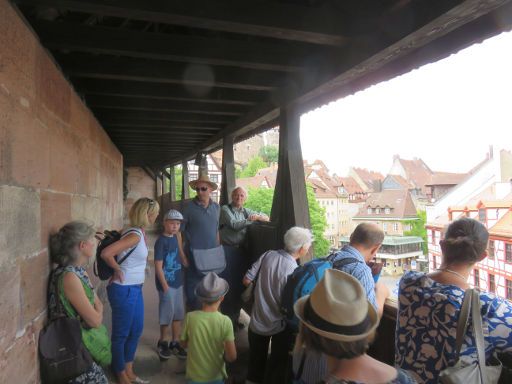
point(127, 322)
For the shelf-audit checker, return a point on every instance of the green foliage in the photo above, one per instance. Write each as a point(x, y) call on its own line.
point(418, 229)
point(254, 165)
point(260, 199)
point(321, 245)
point(238, 171)
point(269, 154)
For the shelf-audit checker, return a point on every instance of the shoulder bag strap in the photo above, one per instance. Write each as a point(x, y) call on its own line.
point(462, 323)
point(478, 331)
point(131, 250)
point(259, 269)
point(344, 261)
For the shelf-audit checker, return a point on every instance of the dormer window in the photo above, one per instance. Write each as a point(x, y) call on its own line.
point(377, 211)
point(370, 210)
point(387, 211)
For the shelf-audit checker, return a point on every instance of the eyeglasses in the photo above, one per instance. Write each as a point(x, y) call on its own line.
point(202, 189)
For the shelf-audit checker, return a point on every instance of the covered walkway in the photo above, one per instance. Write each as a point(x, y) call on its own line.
point(99, 98)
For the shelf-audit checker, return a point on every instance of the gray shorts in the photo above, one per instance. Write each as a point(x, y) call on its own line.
point(171, 307)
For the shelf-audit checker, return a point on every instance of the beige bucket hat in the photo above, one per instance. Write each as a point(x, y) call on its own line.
point(338, 308)
point(205, 179)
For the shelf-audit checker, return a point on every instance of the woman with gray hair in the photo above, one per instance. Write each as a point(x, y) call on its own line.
point(71, 248)
point(268, 324)
point(233, 223)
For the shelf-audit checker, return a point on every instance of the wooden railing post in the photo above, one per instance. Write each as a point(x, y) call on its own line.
point(228, 169)
point(172, 194)
point(184, 181)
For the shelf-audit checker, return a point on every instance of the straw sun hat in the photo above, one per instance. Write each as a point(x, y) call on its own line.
point(205, 179)
point(338, 308)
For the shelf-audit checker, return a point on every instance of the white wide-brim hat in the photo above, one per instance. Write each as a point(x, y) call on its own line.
point(338, 308)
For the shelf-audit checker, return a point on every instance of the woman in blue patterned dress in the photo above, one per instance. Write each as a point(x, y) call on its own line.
point(429, 307)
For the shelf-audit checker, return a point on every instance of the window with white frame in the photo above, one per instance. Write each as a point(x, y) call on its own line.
point(395, 227)
point(387, 211)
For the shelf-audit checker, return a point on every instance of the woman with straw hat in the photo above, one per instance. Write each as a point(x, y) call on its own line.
point(338, 320)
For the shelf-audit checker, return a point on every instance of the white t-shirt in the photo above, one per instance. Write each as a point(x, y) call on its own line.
point(134, 266)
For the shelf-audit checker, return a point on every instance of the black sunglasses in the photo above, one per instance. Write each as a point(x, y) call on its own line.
point(202, 189)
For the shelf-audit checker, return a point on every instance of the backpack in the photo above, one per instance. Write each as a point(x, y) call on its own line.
point(62, 354)
point(101, 268)
point(302, 281)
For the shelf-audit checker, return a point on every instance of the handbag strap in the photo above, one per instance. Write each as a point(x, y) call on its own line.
point(259, 269)
point(471, 303)
point(462, 323)
point(479, 332)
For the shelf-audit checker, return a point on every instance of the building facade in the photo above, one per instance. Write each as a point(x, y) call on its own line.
point(486, 196)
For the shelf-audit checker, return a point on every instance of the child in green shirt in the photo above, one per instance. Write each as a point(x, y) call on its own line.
point(208, 334)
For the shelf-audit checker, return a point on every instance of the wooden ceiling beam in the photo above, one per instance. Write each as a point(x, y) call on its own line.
point(186, 118)
point(141, 104)
point(364, 60)
point(170, 47)
point(166, 91)
point(163, 130)
point(164, 72)
point(325, 26)
point(144, 126)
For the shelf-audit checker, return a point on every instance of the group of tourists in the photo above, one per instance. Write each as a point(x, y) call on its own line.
point(202, 267)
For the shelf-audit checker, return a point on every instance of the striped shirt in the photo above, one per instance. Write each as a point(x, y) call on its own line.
point(359, 270)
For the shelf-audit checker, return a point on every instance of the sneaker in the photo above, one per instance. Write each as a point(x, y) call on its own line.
point(163, 350)
point(178, 350)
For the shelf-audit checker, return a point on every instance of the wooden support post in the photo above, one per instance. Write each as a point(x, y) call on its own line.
point(165, 182)
point(228, 169)
point(158, 185)
point(184, 181)
point(290, 204)
point(172, 194)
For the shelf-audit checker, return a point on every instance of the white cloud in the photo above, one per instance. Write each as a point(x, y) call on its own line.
point(447, 113)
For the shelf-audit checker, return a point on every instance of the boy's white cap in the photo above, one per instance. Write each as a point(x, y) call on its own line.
point(173, 215)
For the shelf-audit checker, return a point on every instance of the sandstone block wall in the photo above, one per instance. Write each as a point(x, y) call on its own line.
point(56, 164)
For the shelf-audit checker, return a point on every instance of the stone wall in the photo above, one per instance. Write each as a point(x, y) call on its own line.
point(56, 164)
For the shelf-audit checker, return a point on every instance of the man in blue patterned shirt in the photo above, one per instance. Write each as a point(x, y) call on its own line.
point(365, 241)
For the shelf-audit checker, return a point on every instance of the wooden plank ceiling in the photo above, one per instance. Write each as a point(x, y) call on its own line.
point(169, 78)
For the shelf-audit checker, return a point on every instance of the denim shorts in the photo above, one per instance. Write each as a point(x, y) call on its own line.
point(171, 307)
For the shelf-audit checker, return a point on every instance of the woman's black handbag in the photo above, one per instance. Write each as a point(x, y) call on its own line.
point(62, 355)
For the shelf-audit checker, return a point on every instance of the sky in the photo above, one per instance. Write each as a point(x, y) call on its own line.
point(447, 113)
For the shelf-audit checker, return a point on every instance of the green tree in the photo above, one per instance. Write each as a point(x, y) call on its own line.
point(418, 229)
point(269, 153)
point(321, 245)
point(260, 199)
point(254, 165)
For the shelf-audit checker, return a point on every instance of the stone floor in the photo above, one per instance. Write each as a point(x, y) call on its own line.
point(147, 363)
